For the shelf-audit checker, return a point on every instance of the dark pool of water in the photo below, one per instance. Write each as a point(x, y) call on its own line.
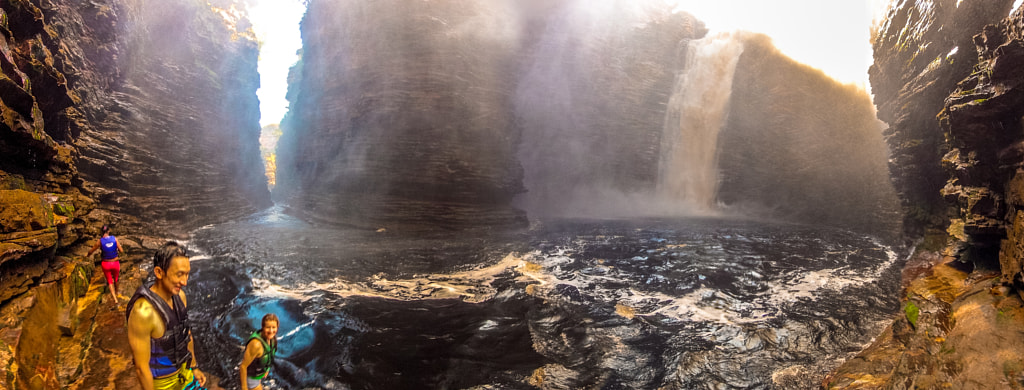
point(682, 303)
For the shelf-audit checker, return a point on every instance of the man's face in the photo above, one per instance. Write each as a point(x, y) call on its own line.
point(270, 330)
point(176, 274)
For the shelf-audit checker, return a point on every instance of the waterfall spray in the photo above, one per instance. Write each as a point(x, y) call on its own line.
point(698, 108)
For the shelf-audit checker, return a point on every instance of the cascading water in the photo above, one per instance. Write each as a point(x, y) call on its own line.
point(698, 108)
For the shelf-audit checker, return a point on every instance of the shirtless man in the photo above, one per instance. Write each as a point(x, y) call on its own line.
point(158, 328)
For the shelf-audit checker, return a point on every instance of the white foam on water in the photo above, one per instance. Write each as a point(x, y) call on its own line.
point(809, 284)
point(545, 271)
point(473, 285)
point(199, 258)
point(296, 330)
point(706, 304)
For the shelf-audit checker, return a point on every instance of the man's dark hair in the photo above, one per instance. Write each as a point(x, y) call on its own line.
point(162, 257)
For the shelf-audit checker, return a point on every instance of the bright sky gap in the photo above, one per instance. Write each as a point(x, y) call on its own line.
point(276, 23)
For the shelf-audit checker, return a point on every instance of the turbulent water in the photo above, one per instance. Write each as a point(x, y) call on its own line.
point(670, 303)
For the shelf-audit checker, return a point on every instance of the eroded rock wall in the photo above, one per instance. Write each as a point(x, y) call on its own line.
point(175, 138)
point(138, 114)
point(401, 116)
point(948, 79)
point(921, 50)
point(438, 115)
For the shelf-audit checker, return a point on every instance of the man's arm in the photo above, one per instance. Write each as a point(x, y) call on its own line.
point(140, 329)
point(253, 350)
point(200, 377)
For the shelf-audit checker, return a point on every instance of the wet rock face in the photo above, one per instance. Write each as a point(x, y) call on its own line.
point(400, 116)
point(122, 114)
point(803, 145)
point(962, 319)
point(978, 128)
point(437, 114)
point(27, 231)
point(983, 125)
point(922, 50)
point(138, 114)
point(174, 140)
point(149, 111)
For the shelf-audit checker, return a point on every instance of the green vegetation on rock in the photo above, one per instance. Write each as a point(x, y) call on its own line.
point(80, 279)
point(65, 209)
point(912, 312)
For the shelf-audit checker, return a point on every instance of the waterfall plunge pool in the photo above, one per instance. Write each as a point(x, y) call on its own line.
point(687, 303)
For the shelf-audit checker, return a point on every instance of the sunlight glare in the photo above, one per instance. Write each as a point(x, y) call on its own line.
point(276, 23)
point(831, 35)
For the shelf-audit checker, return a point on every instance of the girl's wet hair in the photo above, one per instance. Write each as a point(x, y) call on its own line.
point(162, 257)
point(269, 317)
point(105, 228)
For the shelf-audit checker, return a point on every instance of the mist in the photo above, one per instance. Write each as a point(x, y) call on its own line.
point(560, 109)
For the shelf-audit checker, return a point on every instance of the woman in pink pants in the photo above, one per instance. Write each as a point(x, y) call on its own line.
point(109, 248)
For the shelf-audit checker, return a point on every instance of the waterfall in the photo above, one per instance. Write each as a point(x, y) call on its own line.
point(698, 108)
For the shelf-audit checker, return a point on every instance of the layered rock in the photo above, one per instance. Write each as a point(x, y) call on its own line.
point(921, 50)
point(975, 131)
point(592, 98)
point(137, 114)
point(401, 116)
point(174, 140)
point(428, 117)
point(983, 122)
point(948, 80)
point(804, 146)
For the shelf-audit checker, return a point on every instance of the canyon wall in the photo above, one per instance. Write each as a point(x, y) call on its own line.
point(444, 116)
point(592, 96)
point(800, 146)
point(922, 50)
point(948, 79)
point(401, 116)
point(433, 115)
point(945, 79)
point(142, 115)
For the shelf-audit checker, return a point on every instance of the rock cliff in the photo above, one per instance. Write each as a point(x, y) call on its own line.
point(804, 146)
point(591, 98)
point(428, 118)
point(401, 116)
point(922, 50)
point(142, 115)
point(947, 79)
point(446, 116)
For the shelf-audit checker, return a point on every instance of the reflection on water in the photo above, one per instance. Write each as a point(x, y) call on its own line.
point(691, 303)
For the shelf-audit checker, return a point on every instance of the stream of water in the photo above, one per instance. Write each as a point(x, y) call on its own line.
point(687, 303)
